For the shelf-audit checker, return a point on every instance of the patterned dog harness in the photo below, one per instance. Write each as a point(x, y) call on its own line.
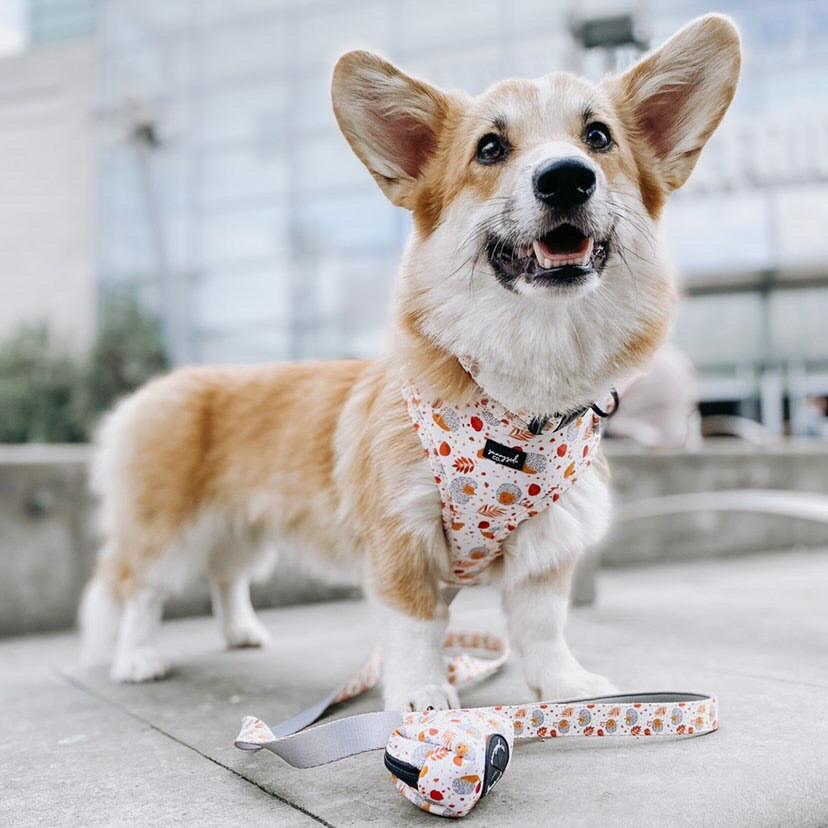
point(495, 469)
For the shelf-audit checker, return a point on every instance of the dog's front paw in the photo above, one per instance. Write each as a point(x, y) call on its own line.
point(574, 684)
point(249, 633)
point(140, 665)
point(433, 696)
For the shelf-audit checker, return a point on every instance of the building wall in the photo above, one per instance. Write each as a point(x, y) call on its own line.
point(746, 230)
point(47, 258)
point(276, 241)
point(56, 20)
point(258, 235)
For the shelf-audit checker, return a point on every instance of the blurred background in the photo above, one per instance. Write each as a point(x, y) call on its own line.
point(174, 189)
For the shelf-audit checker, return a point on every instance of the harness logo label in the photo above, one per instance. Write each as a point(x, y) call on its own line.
point(513, 458)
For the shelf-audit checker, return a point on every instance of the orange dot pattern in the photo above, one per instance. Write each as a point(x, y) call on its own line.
point(483, 501)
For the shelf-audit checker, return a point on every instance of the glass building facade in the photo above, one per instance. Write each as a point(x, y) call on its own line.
point(230, 204)
point(55, 20)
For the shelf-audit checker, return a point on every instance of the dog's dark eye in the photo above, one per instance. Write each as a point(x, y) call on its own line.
point(597, 136)
point(491, 148)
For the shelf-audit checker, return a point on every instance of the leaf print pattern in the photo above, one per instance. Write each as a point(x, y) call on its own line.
point(488, 510)
point(464, 465)
point(502, 495)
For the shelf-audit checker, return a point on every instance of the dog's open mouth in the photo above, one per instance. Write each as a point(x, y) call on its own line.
point(563, 257)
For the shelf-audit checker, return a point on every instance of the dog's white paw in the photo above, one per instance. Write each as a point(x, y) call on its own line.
point(575, 684)
point(248, 633)
point(135, 666)
point(434, 696)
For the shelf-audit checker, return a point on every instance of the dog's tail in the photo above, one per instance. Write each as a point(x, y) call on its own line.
point(99, 618)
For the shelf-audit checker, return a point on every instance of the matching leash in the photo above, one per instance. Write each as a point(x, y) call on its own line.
point(445, 761)
point(471, 657)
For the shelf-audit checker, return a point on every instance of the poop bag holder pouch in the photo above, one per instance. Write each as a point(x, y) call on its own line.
point(445, 761)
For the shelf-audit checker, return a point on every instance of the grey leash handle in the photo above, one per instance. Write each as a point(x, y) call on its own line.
point(324, 743)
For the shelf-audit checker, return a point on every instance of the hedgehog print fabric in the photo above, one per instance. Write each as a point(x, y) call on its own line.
point(493, 472)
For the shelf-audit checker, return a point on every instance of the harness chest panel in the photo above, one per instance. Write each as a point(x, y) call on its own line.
point(493, 473)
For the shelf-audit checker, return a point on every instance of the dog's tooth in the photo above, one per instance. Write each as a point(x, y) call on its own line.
point(550, 262)
point(538, 252)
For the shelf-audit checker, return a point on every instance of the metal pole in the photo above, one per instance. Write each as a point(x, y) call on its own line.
point(145, 142)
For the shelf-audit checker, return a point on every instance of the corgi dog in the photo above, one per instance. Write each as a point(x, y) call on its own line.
point(534, 280)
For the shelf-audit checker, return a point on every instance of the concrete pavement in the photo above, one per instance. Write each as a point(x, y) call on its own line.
point(78, 750)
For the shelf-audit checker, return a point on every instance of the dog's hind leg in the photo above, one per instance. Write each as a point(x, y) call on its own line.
point(235, 557)
point(136, 658)
point(119, 608)
point(99, 617)
point(234, 610)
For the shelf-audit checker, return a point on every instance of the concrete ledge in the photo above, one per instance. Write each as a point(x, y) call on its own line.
point(722, 464)
point(47, 547)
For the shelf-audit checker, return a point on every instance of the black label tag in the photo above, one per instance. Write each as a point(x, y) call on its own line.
point(513, 458)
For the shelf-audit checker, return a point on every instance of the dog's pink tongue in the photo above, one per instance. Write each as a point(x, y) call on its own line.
point(555, 253)
point(576, 253)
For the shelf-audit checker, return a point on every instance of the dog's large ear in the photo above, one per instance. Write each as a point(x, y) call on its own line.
point(391, 121)
point(674, 98)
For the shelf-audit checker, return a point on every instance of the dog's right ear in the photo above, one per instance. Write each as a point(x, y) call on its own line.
point(391, 121)
point(677, 95)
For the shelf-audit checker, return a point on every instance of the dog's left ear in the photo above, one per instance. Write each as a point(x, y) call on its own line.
point(675, 97)
point(391, 121)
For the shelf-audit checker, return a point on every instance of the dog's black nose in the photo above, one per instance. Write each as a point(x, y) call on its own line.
point(564, 184)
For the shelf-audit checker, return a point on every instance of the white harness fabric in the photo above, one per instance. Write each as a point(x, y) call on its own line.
point(493, 472)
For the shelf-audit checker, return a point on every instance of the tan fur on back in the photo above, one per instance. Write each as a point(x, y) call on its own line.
point(275, 447)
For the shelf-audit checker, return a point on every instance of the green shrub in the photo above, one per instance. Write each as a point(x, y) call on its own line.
point(49, 396)
point(39, 391)
point(127, 351)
